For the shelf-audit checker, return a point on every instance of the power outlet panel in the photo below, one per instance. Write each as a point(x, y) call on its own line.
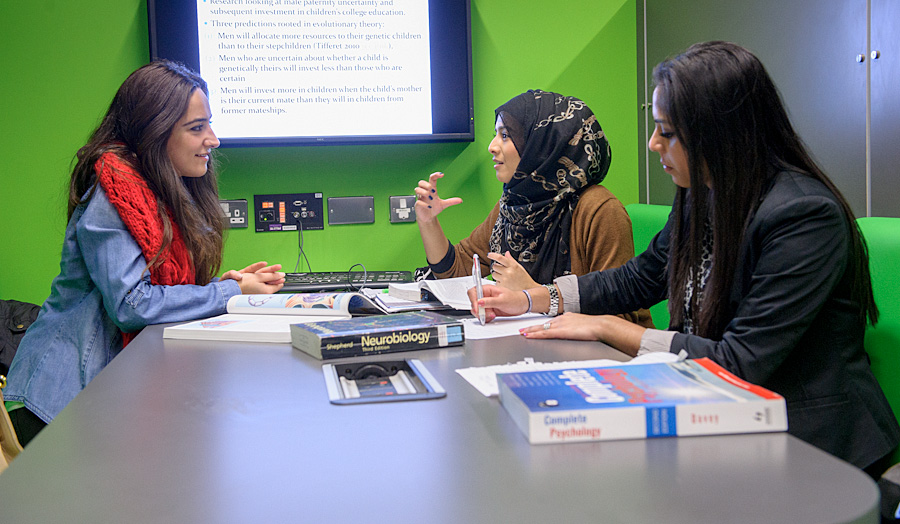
point(287, 212)
point(403, 209)
point(234, 212)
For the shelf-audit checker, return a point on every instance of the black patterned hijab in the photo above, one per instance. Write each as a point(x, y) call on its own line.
point(563, 151)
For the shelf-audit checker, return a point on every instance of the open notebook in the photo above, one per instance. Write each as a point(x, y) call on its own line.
point(451, 292)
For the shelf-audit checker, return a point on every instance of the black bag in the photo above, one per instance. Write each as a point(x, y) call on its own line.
point(15, 317)
point(889, 486)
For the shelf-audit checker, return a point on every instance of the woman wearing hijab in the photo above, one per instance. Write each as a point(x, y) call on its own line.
point(764, 267)
point(553, 218)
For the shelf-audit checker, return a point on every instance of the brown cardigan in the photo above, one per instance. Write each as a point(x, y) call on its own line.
point(600, 238)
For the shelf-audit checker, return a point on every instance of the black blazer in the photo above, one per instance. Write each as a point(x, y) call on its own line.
point(794, 328)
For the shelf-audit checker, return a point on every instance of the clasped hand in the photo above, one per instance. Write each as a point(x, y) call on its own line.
point(257, 279)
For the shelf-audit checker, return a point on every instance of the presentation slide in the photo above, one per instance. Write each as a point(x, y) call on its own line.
point(316, 67)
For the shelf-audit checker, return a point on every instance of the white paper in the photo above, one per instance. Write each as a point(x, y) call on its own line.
point(484, 378)
point(500, 326)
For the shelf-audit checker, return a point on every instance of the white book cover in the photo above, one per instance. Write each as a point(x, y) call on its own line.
point(267, 318)
point(243, 328)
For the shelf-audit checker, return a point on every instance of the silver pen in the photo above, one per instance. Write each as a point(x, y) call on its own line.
point(479, 291)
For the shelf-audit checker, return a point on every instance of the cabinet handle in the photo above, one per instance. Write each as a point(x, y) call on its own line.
point(876, 55)
point(860, 58)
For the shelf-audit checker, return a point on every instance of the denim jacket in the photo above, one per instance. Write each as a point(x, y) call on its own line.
point(103, 287)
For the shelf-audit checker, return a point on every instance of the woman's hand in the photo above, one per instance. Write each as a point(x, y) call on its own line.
point(258, 267)
point(257, 279)
point(507, 272)
point(428, 203)
point(571, 326)
point(499, 302)
point(261, 283)
point(615, 331)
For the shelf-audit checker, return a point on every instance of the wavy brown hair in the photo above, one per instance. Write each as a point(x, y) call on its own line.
point(137, 128)
point(729, 117)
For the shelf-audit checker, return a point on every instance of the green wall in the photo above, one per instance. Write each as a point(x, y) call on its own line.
point(63, 61)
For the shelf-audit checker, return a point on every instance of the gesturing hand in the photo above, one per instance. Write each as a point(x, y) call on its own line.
point(428, 204)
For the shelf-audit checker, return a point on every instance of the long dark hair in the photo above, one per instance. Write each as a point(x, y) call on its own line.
point(137, 128)
point(728, 115)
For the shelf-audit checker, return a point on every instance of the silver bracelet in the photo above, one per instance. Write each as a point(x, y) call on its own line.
point(554, 300)
point(527, 294)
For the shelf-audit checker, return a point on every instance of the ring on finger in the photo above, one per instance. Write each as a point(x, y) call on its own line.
point(547, 325)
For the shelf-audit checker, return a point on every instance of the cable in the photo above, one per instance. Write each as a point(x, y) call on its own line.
point(350, 277)
point(300, 253)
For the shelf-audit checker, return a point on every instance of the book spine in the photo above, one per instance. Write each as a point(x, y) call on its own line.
point(376, 343)
point(665, 421)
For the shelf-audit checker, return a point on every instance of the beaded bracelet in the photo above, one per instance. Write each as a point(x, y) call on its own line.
point(527, 294)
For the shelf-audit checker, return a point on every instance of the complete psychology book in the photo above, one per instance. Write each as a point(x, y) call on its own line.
point(689, 397)
point(375, 335)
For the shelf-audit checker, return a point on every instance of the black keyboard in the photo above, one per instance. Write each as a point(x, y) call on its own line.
point(342, 280)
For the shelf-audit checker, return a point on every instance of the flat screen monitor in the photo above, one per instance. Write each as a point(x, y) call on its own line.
point(305, 72)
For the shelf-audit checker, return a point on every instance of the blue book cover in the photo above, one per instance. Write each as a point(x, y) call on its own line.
point(690, 397)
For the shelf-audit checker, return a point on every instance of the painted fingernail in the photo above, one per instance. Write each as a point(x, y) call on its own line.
point(430, 197)
point(432, 190)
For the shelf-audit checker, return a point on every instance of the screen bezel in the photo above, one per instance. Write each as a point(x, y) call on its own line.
point(172, 27)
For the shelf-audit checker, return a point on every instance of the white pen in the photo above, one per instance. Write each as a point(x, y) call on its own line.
point(479, 292)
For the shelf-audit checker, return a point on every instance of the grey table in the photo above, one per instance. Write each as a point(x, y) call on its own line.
point(197, 431)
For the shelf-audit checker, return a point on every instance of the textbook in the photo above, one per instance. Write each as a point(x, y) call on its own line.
point(267, 318)
point(375, 335)
point(451, 292)
point(689, 397)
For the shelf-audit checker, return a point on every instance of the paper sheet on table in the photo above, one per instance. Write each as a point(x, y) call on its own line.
point(500, 326)
point(485, 378)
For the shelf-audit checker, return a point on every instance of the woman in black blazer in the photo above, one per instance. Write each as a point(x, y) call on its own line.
point(762, 263)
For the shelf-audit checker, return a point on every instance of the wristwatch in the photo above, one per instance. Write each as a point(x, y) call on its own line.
point(554, 300)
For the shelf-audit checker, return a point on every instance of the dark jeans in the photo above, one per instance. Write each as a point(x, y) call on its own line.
point(26, 424)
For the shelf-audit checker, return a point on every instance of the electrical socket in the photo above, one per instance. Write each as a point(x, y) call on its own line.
point(235, 211)
point(403, 209)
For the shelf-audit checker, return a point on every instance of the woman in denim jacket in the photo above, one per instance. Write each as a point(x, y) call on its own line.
point(143, 242)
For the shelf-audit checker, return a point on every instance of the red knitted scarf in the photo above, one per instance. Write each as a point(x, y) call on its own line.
point(136, 205)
